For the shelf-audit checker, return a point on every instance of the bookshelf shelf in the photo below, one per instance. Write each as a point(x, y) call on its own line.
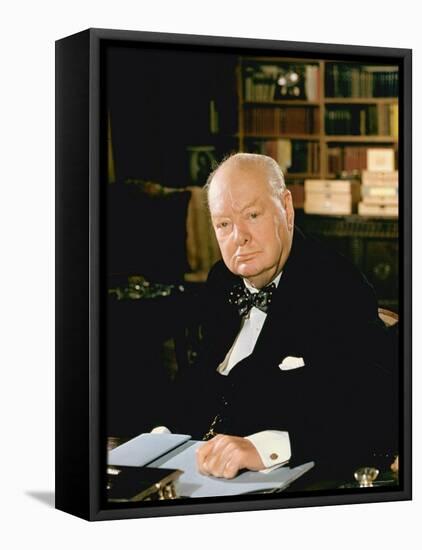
point(360, 100)
point(283, 103)
point(300, 175)
point(359, 139)
point(306, 137)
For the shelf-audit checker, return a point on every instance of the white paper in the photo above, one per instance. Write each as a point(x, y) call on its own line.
point(144, 448)
point(193, 484)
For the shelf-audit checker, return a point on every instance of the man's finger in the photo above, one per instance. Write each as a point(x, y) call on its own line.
point(221, 454)
point(220, 441)
point(206, 448)
point(231, 469)
point(203, 452)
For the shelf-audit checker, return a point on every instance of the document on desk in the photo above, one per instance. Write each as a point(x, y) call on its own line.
point(193, 484)
point(144, 448)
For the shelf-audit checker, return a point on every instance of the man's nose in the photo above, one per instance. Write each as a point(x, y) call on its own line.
point(241, 234)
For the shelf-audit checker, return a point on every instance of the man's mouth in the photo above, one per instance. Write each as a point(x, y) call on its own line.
point(245, 257)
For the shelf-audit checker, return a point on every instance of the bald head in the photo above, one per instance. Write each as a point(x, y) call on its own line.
point(251, 161)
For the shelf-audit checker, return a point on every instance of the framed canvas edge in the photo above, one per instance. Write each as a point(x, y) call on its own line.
point(95, 456)
point(248, 43)
point(72, 365)
point(405, 143)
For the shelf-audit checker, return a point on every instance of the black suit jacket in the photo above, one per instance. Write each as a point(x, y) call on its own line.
point(339, 409)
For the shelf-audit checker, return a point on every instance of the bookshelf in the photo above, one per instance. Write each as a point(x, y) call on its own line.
point(332, 114)
point(316, 117)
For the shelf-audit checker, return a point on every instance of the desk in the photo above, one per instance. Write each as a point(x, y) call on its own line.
point(386, 479)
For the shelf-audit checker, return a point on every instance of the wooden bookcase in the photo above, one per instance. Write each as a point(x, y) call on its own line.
point(337, 87)
point(259, 97)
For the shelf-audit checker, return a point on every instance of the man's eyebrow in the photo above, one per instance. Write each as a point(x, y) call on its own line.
point(223, 214)
point(251, 203)
point(219, 214)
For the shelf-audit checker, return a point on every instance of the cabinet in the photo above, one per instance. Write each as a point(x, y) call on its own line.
point(371, 244)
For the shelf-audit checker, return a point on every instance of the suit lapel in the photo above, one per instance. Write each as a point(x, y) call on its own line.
point(226, 321)
point(280, 333)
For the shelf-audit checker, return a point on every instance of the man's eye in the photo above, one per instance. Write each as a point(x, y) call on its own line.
point(222, 225)
point(253, 215)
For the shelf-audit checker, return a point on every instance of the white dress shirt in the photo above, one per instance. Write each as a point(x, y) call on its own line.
point(273, 446)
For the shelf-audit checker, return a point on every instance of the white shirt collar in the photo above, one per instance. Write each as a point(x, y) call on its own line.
point(252, 289)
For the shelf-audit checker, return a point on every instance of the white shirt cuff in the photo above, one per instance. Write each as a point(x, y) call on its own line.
point(160, 430)
point(273, 448)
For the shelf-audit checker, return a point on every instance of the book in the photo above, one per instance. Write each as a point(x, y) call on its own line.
point(335, 204)
point(354, 158)
point(335, 160)
point(380, 159)
point(379, 191)
point(294, 156)
point(380, 178)
point(333, 197)
point(394, 120)
point(281, 120)
point(328, 186)
point(354, 81)
point(298, 194)
point(145, 448)
point(312, 90)
point(381, 200)
point(378, 211)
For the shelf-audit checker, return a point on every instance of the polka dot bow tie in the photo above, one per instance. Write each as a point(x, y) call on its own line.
point(245, 300)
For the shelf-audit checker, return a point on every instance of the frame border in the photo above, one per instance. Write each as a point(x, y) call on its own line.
point(79, 456)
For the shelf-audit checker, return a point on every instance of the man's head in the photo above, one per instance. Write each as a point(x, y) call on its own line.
point(252, 215)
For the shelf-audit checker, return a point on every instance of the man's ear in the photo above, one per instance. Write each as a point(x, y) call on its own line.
point(287, 202)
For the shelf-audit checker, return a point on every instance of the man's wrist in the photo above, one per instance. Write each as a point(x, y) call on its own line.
point(273, 447)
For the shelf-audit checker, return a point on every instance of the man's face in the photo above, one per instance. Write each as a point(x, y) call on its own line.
point(254, 228)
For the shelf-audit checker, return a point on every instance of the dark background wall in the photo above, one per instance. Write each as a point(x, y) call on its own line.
point(159, 104)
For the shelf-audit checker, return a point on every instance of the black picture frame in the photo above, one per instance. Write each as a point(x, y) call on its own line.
point(81, 236)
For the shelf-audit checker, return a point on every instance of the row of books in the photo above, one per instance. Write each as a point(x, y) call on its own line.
point(298, 156)
point(293, 156)
point(388, 120)
point(362, 120)
point(345, 80)
point(272, 82)
point(290, 120)
point(351, 158)
point(278, 82)
point(356, 120)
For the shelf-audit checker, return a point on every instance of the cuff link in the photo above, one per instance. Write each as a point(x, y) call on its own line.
point(273, 456)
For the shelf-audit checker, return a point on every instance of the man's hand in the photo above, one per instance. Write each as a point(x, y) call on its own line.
point(225, 455)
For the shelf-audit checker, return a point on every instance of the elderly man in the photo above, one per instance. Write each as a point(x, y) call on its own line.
point(290, 367)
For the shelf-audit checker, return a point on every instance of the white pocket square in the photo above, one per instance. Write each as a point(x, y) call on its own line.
point(290, 363)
